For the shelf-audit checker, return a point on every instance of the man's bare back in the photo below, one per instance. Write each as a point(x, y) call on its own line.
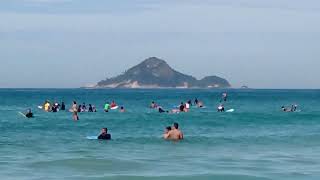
point(175, 134)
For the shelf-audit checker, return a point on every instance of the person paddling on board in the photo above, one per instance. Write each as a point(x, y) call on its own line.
point(153, 105)
point(104, 134)
point(107, 107)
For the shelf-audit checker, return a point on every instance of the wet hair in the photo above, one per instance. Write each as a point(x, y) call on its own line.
point(122, 107)
point(176, 125)
point(168, 128)
point(106, 129)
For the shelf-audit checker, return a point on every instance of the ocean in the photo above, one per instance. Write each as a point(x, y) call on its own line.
point(255, 142)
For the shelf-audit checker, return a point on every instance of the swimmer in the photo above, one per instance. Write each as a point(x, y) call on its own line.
point(122, 109)
point(104, 134)
point(107, 107)
point(153, 105)
point(166, 132)
point(94, 108)
point(74, 110)
point(29, 114)
point(200, 104)
point(175, 133)
point(63, 106)
point(284, 109)
point(221, 108)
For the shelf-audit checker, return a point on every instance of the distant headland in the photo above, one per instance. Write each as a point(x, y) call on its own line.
point(156, 73)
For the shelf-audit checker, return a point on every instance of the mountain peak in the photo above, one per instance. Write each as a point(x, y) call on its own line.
point(156, 73)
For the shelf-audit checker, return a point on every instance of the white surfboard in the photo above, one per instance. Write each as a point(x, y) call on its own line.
point(22, 114)
point(92, 137)
point(114, 108)
point(40, 107)
point(230, 110)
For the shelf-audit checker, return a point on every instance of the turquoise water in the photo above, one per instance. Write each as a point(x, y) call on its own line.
point(256, 142)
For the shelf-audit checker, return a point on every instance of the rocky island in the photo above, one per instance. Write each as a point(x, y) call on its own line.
point(156, 73)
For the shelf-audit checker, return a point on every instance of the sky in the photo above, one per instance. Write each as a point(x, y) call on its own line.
point(72, 43)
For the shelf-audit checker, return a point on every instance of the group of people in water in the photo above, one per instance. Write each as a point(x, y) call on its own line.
point(293, 108)
point(183, 107)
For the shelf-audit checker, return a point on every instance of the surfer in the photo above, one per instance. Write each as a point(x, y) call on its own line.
point(224, 96)
point(113, 104)
point(166, 132)
point(175, 133)
point(104, 134)
point(29, 114)
point(221, 108)
point(107, 107)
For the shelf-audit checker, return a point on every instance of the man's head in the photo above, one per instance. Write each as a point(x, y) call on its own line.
point(168, 129)
point(104, 130)
point(175, 125)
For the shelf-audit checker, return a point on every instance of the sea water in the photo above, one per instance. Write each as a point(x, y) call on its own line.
point(255, 142)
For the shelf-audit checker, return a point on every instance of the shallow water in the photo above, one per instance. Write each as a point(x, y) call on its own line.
point(257, 141)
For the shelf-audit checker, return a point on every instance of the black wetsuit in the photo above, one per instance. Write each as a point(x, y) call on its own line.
point(63, 107)
point(181, 107)
point(161, 110)
point(29, 115)
point(105, 137)
point(90, 109)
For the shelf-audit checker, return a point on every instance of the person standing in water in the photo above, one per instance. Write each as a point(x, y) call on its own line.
point(166, 132)
point(174, 134)
point(63, 106)
point(74, 110)
point(224, 97)
point(107, 107)
point(122, 109)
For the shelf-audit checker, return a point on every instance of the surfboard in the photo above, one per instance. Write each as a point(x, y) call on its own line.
point(114, 108)
point(92, 137)
point(40, 107)
point(230, 110)
point(22, 114)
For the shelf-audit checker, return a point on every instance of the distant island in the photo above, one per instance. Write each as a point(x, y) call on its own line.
point(156, 73)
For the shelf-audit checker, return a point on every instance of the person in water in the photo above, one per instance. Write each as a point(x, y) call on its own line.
point(104, 134)
point(107, 107)
point(122, 109)
point(74, 110)
point(196, 101)
point(174, 134)
point(94, 108)
point(47, 106)
point(63, 107)
point(182, 107)
point(29, 114)
point(113, 104)
point(166, 132)
point(224, 96)
point(90, 108)
point(221, 108)
point(153, 105)
point(84, 107)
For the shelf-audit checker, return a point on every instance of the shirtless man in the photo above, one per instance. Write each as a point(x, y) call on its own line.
point(175, 133)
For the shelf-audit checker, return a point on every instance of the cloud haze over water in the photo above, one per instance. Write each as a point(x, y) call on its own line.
point(69, 43)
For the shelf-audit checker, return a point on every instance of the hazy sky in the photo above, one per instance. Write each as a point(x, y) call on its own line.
point(70, 43)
